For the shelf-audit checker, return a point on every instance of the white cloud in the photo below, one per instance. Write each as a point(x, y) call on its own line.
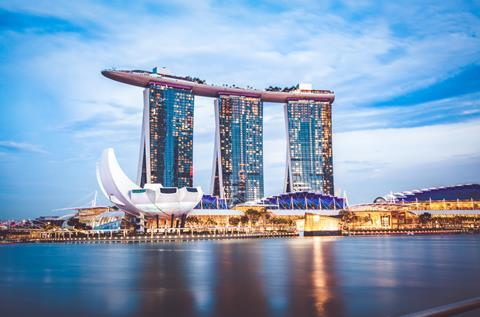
point(406, 147)
point(349, 118)
point(18, 147)
point(372, 162)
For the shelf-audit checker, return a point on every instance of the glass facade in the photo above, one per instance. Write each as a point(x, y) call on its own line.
point(169, 141)
point(238, 170)
point(309, 147)
point(212, 202)
point(304, 200)
point(468, 192)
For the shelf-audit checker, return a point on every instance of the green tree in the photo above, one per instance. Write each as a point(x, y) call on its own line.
point(253, 215)
point(425, 218)
point(194, 220)
point(210, 222)
point(234, 221)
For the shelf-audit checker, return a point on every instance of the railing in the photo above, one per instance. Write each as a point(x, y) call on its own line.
point(165, 238)
point(163, 234)
point(406, 231)
point(450, 309)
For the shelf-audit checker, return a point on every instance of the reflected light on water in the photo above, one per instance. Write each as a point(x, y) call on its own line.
point(321, 291)
point(327, 301)
point(319, 276)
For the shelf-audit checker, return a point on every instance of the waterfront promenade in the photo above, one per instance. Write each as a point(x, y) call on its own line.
point(167, 238)
point(190, 234)
point(159, 235)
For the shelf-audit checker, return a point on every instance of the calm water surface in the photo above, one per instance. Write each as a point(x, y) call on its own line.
point(367, 276)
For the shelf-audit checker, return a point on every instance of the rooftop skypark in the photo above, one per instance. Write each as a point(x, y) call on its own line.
point(200, 87)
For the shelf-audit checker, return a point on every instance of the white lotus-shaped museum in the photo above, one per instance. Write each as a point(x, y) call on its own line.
point(151, 199)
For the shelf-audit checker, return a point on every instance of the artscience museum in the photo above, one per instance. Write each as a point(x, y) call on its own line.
point(152, 199)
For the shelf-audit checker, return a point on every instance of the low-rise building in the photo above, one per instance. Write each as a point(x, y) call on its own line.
point(322, 223)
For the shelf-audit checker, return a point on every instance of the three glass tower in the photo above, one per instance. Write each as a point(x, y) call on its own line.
point(166, 154)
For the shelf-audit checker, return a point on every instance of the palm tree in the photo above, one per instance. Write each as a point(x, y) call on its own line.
point(234, 221)
point(425, 218)
point(253, 215)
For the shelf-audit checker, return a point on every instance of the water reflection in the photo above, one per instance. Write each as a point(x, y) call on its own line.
point(327, 301)
point(201, 278)
point(240, 278)
point(275, 271)
point(240, 291)
point(312, 278)
point(162, 285)
point(367, 276)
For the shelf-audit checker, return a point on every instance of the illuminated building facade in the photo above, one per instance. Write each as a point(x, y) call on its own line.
point(166, 154)
point(238, 160)
point(305, 201)
point(309, 147)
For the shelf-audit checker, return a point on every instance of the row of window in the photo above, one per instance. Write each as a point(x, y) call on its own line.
point(240, 143)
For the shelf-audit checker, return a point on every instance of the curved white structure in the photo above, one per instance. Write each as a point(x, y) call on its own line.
point(151, 199)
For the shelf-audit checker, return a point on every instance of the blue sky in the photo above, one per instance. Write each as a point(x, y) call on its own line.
point(406, 76)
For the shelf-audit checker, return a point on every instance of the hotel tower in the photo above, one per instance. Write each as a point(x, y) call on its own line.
point(166, 149)
point(238, 158)
point(309, 146)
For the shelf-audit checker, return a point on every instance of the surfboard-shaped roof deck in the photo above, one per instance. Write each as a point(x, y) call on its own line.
point(200, 88)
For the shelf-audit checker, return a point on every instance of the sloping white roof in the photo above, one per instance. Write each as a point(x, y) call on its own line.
point(66, 217)
point(301, 212)
point(287, 212)
point(108, 214)
point(447, 212)
point(215, 212)
point(324, 212)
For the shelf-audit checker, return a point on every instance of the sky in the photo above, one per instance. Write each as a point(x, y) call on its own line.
point(406, 76)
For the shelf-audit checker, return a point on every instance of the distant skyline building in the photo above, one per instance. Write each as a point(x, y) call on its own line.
point(237, 174)
point(166, 154)
point(309, 147)
point(166, 151)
